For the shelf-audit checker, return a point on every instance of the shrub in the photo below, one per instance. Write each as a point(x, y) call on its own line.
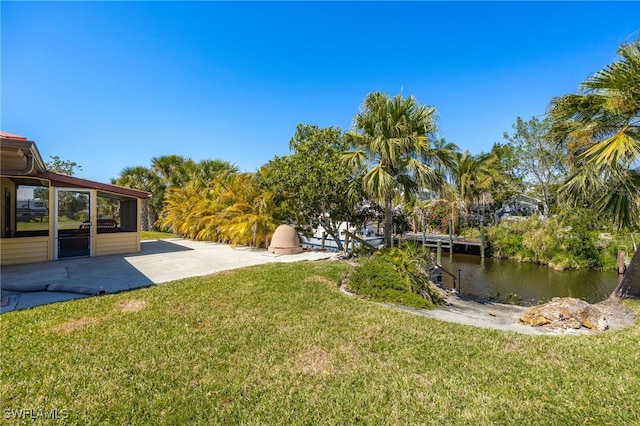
point(568, 240)
point(396, 275)
point(438, 215)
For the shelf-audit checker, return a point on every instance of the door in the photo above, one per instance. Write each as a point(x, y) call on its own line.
point(73, 223)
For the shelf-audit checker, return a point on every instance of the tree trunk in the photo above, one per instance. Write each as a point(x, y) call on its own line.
point(388, 222)
point(545, 202)
point(630, 284)
point(454, 215)
point(333, 231)
point(144, 215)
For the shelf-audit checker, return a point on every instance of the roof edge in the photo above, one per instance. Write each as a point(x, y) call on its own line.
point(85, 183)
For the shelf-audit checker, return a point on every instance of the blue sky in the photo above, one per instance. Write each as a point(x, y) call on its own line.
point(114, 84)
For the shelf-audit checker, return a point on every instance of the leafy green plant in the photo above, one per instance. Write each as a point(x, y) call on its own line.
point(568, 240)
point(397, 275)
point(377, 279)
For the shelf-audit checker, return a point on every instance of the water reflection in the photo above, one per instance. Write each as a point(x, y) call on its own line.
point(525, 283)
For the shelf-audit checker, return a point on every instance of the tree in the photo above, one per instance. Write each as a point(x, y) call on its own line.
point(389, 138)
point(311, 184)
point(475, 176)
point(249, 216)
point(207, 170)
point(67, 201)
point(601, 126)
point(165, 172)
point(539, 159)
point(508, 181)
point(441, 156)
point(65, 167)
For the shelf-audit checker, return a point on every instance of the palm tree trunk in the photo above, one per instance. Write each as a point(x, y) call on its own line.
point(388, 221)
point(630, 284)
point(144, 216)
point(454, 215)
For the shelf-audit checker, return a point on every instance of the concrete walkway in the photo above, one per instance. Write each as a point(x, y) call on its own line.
point(159, 261)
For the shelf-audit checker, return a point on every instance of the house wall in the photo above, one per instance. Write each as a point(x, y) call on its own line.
point(116, 243)
point(119, 242)
point(22, 250)
point(25, 250)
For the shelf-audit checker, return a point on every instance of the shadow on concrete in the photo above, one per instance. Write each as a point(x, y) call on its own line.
point(27, 286)
point(159, 261)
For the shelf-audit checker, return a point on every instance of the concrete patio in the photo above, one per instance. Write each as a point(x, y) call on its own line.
point(159, 261)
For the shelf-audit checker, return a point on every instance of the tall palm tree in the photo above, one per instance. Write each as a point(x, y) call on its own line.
point(173, 170)
point(389, 138)
point(475, 176)
point(441, 156)
point(601, 124)
point(207, 170)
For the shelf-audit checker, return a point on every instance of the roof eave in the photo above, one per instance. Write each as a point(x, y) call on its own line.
point(74, 181)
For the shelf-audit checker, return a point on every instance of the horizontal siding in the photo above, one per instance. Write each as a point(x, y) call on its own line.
point(24, 250)
point(117, 243)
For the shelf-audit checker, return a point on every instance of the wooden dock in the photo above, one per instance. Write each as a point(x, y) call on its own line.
point(460, 244)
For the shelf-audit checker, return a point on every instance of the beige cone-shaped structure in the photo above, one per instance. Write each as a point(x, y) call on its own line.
point(285, 241)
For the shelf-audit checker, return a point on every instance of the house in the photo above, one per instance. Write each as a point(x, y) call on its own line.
point(48, 216)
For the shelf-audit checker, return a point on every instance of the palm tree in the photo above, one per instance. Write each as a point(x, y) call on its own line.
point(441, 156)
point(232, 208)
point(248, 218)
point(166, 174)
point(601, 125)
point(207, 170)
point(475, 176)
point(389, 138)
point(143, 179)
point(173, 170)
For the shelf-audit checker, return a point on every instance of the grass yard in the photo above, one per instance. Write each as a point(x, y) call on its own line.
point(155, 235)
point(280, 344)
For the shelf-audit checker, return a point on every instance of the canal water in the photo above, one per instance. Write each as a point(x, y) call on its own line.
point(524, 283)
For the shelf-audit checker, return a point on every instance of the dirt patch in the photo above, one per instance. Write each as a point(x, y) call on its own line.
point(133, 305)
point(76, 325)
point(315, 361)
point(618, 316)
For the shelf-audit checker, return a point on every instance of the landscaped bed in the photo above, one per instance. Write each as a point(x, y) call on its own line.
point(280, 344)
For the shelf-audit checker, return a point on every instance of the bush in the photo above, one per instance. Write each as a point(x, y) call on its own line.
point(396, 275)
point(568, 240)
point(438, 215)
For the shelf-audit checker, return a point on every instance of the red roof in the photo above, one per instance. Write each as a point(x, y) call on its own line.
point(8, 135)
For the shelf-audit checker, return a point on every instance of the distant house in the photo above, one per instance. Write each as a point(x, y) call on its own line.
point(49, 216)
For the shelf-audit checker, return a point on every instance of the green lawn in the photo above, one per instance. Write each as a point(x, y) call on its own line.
point(155, 235)
point(280, 344)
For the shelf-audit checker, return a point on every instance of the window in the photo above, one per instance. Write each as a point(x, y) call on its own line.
point(116, 213)
point(32, 210)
